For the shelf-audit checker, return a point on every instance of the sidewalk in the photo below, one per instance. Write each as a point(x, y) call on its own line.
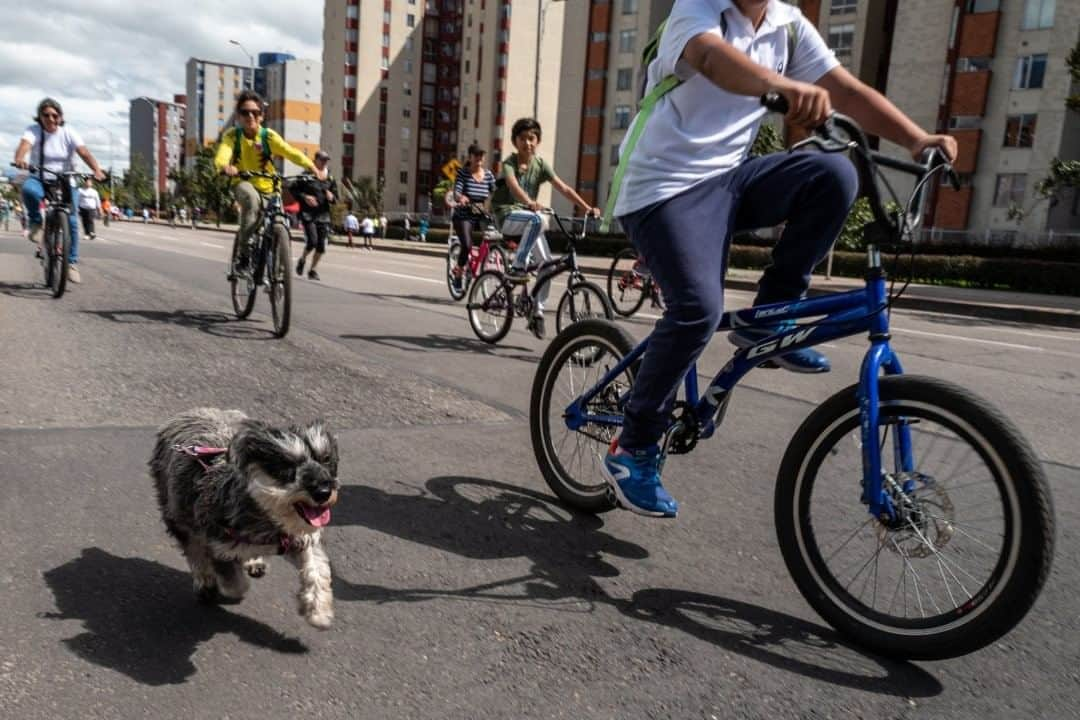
point(1059, 310)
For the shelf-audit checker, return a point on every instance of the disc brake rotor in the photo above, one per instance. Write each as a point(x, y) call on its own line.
point(927, 520)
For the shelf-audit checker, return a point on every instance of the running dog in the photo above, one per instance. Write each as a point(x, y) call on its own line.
point(233, 489)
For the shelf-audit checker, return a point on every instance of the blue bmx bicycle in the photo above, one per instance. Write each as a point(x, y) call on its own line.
point(912, 515)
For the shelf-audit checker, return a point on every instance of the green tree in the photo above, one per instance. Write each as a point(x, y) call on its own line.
point(365, 194)
point(137, 184)
point(208, 188)
point(438, 195)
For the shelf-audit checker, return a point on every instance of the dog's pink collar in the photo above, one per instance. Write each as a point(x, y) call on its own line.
point(284, 542)
point(201, 451)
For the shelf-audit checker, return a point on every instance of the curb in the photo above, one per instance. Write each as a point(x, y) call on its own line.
point(1010, 313)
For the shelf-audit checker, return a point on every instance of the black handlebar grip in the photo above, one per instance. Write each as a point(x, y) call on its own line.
point(775, 102)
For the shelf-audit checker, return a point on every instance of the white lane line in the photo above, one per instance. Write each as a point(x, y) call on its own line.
point(213, 245)
point(401, 275)
point(961, 338)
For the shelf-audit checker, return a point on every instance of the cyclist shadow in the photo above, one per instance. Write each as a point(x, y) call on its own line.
point(213, 323)
point(34, 291)
point(451, 343)
point(396, 298)
point(140, 617)
point(487, 520)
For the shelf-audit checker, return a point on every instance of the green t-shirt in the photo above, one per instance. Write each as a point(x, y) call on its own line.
point(530, 179)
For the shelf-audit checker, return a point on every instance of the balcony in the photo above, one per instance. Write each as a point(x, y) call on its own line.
point(952, 208)
point(978, 34)
point(968, 149)
point(969, 91)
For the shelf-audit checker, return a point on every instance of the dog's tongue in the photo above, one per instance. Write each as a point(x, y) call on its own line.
point(316, 516)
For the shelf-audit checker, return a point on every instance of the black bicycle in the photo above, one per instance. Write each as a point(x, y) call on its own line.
point(268, 261)
point(629, 283)
point(492, 305)
point(56, 240)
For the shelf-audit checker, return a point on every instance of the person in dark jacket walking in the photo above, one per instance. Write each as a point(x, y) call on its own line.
point(315, 197)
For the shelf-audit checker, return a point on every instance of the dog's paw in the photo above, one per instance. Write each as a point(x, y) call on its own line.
point(321, 619)
point(256, 567)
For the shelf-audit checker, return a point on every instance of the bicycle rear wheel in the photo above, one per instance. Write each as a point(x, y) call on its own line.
point(570, 460)
point(490, 307)
point(242, 288)
point(625, 284)
point(581, 301)
point(973, 543)
point(496, 259)
point(57, 252)
point(280, 280)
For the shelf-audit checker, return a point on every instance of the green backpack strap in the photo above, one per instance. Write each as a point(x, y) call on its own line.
point(648, 104)
point(264, 142)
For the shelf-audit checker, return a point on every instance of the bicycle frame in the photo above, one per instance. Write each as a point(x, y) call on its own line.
point(845, 314)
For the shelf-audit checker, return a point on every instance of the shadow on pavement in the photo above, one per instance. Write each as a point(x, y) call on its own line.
point(486, 520)
point(452, 343)
point(142, 619)
point(214, 323)
point(34, 290)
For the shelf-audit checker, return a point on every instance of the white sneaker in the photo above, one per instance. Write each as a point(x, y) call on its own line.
point(73, 275)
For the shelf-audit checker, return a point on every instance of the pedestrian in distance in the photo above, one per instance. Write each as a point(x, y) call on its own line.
point(352, 226)
point(367, 229)
point(315, 197)
point(89, 207)
point(423, 228)
point(382, 227)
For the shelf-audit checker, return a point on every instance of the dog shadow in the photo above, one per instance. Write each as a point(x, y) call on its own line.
point(485, 520)
point(141, 618)
point(213, 323)
point(448, 343)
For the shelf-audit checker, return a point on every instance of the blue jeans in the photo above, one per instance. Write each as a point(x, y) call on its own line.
point(33, 193)
point(684, 241)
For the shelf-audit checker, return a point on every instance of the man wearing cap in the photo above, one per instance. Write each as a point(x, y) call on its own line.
point(315, 197)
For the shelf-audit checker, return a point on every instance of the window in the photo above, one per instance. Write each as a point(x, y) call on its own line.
point(410, 20)
point(629, 7)
point(622, 117)
point(615, 154)
point(599, 37)
point(973, 64)
point(964, 122)
point(590, 149)
point(978, 6)
point(403, 200)
point(842, 7)
point(1020, 131)
point(1030, 70)
point(624, 79)
point(1038, 14)
point(385, 63)
point(404, 177)
point(627, 40)
point(386, 17)
point(1009, 189)
point(385, 40)
point(596, 74)
point(841, 38)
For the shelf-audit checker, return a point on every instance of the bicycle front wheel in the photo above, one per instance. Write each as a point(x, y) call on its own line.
point(625, 285)
point(457, 287)
point(57, 253)
point(242, 289)
point(280, 280)
point(581, 301)
point(490, 307)
point(973, 541)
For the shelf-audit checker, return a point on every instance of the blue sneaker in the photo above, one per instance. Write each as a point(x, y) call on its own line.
point(806, 360)
point(634, 477)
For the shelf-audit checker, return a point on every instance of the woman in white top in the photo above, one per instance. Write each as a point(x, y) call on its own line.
point(48, 143)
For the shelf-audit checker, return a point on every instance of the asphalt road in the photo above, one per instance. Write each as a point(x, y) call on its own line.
point(463, 589)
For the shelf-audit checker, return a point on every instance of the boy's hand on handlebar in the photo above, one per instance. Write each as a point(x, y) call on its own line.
point(945, 143)
point(21, 164)
point(809, 106)
point(593, 212)
point(534, 206)
point(231, 170)
point(99, 176)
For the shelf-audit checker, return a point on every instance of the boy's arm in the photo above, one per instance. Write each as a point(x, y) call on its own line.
point(878, 116)
point(517, 191)
point(570, 194)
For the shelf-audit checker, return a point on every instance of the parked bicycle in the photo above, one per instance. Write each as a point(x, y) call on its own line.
point(56, 232)
point(629, 284)
point(268, 261)
point(912, 515)
point(489, 254)
point(492, 305)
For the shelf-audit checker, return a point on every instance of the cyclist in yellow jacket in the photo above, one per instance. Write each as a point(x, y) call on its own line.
point(250, 148)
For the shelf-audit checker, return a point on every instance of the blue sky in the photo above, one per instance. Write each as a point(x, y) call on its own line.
point(95, 55)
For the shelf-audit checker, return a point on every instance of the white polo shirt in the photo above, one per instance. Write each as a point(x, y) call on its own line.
point(60, 147)
point(698, 131)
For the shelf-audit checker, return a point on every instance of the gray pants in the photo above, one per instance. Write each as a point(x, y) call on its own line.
point(250, 210)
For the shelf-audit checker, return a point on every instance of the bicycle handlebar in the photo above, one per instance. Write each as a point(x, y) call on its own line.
point(66, 173)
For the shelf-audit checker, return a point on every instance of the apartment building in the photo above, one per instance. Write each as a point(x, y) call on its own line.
point(157, 130)
point(293, 94)
point(212, 88)
point(992, 73)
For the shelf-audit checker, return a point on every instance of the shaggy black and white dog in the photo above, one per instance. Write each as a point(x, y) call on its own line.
point(233, 490)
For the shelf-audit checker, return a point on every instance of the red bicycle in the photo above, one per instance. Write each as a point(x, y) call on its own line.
point(488, 254)
point(629, 283)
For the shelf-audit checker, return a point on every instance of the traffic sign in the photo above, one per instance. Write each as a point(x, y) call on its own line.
point(451, 167)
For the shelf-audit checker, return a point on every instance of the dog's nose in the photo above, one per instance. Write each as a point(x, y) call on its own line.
point(323, 492)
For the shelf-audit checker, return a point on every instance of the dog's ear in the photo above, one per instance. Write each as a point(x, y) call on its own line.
point(322, 442)
point(257, 442)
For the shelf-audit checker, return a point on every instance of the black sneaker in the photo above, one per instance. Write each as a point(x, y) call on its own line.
point(300, 267)
point(312, 275)
point(536, 326)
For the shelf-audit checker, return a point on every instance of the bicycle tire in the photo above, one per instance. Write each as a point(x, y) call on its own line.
point(596, 340)
point(1014, 576)
point(456, 292)
point(492, 297)
point(280, 280)
point(496, 259)
point(581, 301)
point(241, 290)
point(621, 281)
point(58, 253)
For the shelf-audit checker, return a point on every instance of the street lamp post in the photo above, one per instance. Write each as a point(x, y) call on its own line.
point(156, 159)
point(541, 14)
point(251, 63)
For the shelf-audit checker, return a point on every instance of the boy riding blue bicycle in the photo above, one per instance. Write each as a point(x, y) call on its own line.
point(700, 114)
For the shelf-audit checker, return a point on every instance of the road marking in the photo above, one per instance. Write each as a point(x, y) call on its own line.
point(213, 245)
point(961, 338)
point(400, 275)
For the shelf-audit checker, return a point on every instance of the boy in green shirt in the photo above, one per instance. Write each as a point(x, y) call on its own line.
point(518, 212)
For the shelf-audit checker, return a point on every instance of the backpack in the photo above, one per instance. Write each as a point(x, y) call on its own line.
point(647, 103)
point(264, 141)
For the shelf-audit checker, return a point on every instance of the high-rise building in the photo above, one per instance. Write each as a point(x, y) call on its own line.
point(157, 137)
point(993, 74)
point(293, 94)
point(211, 91)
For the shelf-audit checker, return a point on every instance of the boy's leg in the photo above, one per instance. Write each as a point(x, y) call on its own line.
point(542, 253)
point(529, 225)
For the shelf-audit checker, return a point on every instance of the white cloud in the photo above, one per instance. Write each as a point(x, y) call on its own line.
point(95, 55)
